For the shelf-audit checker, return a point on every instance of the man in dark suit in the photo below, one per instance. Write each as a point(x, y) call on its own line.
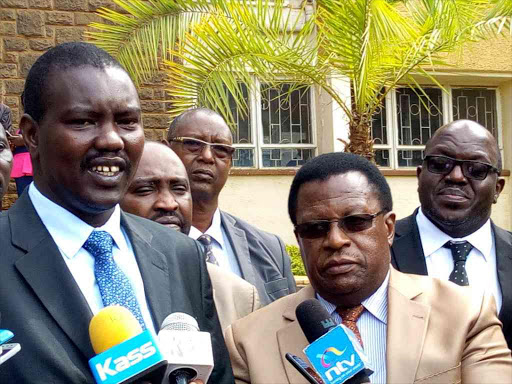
point(66, 238)
point(203, 141)
point(451, 236)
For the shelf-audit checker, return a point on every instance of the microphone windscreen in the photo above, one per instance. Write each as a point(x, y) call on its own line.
point(179, 321)
point(314, 319)
point(111, 326)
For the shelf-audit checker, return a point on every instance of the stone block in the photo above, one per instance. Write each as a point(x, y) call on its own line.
point(8, 15)
point(145, 93)
point(7, 29)
point(40, 4)
point(160, 121)
point(14, 4)
point(50, 31)
point(10, 57)
point(152, 106)
point(26, 62)
point(71, 5)
point(13, 87)
point(66, 34)
point(12, 101)
point(15, 115)
point(159, 94)
point(59, 18)
point(40, 44)
point(15, 44)
point(158, 78)
point(8, 71)
point(87, 18)
point(95, 4)
point(31, 23)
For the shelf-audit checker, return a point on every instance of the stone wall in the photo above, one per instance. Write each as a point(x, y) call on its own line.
point(30, 27)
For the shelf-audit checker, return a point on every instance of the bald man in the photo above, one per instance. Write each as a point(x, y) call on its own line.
point(160, 191)
point(451, 236)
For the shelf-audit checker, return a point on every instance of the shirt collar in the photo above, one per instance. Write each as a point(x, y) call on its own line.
point(215, 230)
point(376, 304)
point(432, 238)
point(68, 231)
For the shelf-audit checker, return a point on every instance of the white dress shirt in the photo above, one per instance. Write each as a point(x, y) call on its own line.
point(480, 263)
point(372, 325)
point(221, 247)
point(70, 233)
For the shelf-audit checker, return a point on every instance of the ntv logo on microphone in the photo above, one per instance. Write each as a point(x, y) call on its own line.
point(126, 360)
point(334, 356)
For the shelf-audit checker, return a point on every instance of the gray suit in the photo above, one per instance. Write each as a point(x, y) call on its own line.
point(44, 307)
point(262, 258)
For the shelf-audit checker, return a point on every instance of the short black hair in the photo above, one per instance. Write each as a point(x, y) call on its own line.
point(181, 118)
point(337, 163)
point(61, 57)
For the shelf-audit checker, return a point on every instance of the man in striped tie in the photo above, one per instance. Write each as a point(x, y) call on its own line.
point(412, 328)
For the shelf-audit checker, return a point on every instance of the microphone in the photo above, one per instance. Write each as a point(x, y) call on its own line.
point(125, 354)
point(187, 350)
point(334, 351)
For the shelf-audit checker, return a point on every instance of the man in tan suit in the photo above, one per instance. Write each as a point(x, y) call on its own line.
point(160, 191)
point(412, 328)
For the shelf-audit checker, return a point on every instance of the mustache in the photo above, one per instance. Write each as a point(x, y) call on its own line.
point(120, 158)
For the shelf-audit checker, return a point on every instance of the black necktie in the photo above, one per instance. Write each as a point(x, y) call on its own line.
point(206, 240)
point(460, 252)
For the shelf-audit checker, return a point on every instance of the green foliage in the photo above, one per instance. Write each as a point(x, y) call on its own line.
point(297, 265)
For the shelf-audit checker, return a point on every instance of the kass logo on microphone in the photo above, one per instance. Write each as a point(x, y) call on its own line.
point(126, 360)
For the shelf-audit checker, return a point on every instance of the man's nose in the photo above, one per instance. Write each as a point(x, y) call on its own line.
point(108, 138)
point(456, 175)
point(336, 238)
point(166, 201)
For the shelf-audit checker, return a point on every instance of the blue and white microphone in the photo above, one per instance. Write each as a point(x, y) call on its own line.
point(334, 352)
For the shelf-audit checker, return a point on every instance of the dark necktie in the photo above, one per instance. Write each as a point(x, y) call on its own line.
point(206, 240)
point(460, 252)
point(115, 288)
point(349, 317)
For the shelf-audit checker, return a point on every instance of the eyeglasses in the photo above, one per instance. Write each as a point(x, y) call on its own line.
point(471, 169)
point(348, 224)
point(221, 151)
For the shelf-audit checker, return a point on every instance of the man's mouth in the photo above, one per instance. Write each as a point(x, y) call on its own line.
point(170, 221)
point(106, 170)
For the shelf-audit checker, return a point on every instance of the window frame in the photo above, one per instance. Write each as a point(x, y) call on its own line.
point(447, 105)
point(256, 124)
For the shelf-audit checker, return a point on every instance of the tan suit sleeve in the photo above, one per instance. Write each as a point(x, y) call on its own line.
point(238, 358)
point(486, 358)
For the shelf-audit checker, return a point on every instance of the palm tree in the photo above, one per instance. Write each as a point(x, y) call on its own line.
point(208, 47)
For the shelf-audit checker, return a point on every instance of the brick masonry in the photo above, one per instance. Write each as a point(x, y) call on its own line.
point(28, 28)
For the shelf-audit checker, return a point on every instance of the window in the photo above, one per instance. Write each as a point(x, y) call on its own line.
point(278, 132)
point(400, 137)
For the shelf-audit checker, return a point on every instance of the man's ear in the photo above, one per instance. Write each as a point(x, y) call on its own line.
point(30, 131)
point(500, 184)
point(389, 220)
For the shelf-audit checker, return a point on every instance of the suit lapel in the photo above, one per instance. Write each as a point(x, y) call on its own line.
point(291, 339)
point(407, 251)
point(240, 247)
point(503, 244)
point(46, 272)
point(407, 326)
point(153, 269)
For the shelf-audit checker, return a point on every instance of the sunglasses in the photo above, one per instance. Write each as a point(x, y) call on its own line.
point(471, 169)
point(221, 151)
point(348, 224)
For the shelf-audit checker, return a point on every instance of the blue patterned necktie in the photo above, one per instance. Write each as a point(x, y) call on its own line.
point(115, 288)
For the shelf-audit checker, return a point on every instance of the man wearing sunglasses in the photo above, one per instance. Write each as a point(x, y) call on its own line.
point(412, 328)
point(203, 141)
point(451, 236)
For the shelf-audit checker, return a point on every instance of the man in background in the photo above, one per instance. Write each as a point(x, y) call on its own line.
point(414, 329)
point(67, 250)
point(160, 191)
point(202, 140)
point(451, 236)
